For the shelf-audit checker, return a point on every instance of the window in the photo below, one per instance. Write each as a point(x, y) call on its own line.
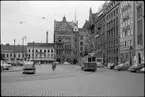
point(125, 33)
point(48, 51)
point(81, 43)
point(44, 51)
point(19, 55)
point(44, 55)
point(51, 55)
point(139, 32)
point(139, 11)
point(81, 48)
point(51, 51)
point(7, 55)
point(48, 55)
point(81, 37)
point(29, 50)
point(36, 51)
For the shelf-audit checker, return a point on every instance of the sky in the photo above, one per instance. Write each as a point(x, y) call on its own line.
point(25, 18)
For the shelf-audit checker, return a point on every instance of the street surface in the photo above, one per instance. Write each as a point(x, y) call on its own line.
point(69, 80)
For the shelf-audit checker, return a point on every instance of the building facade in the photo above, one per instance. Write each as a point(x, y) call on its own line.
point(83, 34)
point(66, 39)
point(41, 52)
point(91, 31)
point(8, 52)
point(127, 30)
point(112, 15)
point(105, 32)
point(100, 33)
point(139, 31)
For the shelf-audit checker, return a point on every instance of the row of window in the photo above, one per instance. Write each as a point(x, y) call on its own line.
point(126, 22)
point(112, 23)
point(112, 14)
point(139, 11)
point(12, 55)
point(112, 32)
point(126, 33)
point(126, 43)
point(125, 5)
point(126, 12)
point(31, 50)
point(41, 56)
point(112, 42)
point(112, 51)
point(111, 5)
point(112, 59)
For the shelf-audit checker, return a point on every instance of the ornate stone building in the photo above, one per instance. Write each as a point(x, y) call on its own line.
point(139, 31)
point(40, 52)
point(127, 31)
point(66, 41)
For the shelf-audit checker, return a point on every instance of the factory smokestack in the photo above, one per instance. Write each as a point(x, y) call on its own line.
point(47, 37)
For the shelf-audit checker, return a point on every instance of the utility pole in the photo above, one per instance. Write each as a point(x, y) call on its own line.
point(14, 48)
point(33, 50)
point(22, 47)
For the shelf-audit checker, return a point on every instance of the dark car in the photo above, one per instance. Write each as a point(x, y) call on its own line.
point(136, 67)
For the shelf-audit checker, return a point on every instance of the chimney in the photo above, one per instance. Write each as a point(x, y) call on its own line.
point(47, 37)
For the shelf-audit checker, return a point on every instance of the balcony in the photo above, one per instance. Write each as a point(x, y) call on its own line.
point(124, 8)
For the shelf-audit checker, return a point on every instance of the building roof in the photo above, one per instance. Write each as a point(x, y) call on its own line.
point(30, 44)
point(85, 27)
point(10, 48)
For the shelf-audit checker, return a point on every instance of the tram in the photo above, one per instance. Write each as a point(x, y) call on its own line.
point(89, 63)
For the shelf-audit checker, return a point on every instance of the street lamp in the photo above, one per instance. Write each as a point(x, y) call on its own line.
point(14, 48)
point(23, 49)
point(33, 50)
point(131, 55)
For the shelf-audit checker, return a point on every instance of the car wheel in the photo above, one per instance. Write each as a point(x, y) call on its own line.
point(118, 69)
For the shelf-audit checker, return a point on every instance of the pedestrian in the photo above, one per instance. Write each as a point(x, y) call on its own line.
point(53, 66)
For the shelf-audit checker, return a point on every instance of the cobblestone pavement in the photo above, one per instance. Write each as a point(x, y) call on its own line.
point(103, 82)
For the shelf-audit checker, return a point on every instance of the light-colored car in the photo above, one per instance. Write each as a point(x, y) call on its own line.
point(5, 65)
point(109, 65)
point(29, 67)
point(123, 66)
point(136, 67)
point(142, 70)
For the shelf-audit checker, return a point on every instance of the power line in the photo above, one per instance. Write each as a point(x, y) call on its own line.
point(44, 17)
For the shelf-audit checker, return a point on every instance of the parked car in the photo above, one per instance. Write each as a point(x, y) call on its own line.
point(20, 63)
point(14, 63)
point(142, 70)
point(136, 67)
point(123, 66)
point(29, 67)
point(5, 65)
point(112, 66)
point(109, 65)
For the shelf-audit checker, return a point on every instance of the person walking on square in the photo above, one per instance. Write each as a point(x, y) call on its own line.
point(53, 66)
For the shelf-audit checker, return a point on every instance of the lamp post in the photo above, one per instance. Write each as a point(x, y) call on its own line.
point(23, 49)
point(130, 55)
point(14, 48)
point(33, 50)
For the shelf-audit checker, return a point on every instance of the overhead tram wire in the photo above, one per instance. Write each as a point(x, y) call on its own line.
point(43, 17)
